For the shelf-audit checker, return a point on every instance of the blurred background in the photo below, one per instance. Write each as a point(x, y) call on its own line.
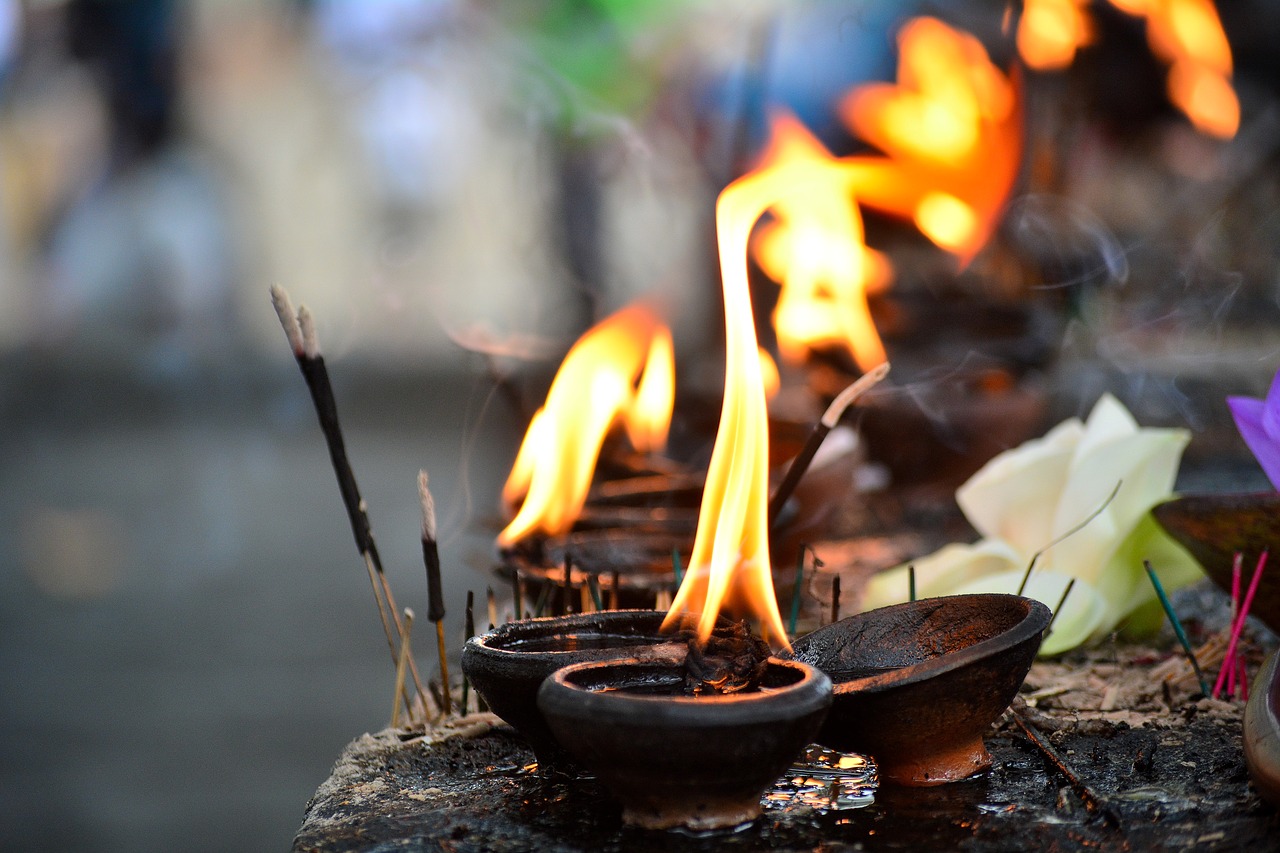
point(457, 189)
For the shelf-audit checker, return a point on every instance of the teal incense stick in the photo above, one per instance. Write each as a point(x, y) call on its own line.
point(1177, 626)
point(795, 594)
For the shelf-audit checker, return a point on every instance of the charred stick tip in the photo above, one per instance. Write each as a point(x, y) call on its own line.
point(288, 318)
point(310, 340)
point(850, 395)
point(428, 508)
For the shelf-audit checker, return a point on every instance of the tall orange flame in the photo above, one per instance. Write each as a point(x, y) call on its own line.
point(814, 248)
point(595, 387)
point(729, 567)
point(951, 130)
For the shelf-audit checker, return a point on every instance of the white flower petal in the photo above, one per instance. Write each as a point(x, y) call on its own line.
point(940, 572)
point(1144, 465)
point(1014, 496)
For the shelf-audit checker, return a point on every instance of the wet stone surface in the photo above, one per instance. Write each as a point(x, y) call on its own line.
point(1176, 782)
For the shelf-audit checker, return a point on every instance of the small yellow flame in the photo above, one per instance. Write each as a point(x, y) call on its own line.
point(649, 420)
point(595, 387)
point(1051, 31)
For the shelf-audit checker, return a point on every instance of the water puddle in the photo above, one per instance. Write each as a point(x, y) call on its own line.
point(826, 781)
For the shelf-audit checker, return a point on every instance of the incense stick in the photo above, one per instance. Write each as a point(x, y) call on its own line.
point(300, 331)
point(911, 583)
point(517, 594)
point(401, 666)
point(543, 594)
point(615, 588)
point(560, 607)
point(828, 422)
point(1061, 601)
point(835, 599)
point(1177, 625)
point(1026, 576)
point(795, 593)
point(493, 608)
point(1092, 802)
point(468, 628)
point(1240, 620)
point(593, 586)
point(1237, 565)
point(435, 590)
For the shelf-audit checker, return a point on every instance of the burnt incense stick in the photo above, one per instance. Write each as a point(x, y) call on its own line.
point(911, 582)
point(300, 331)
point(828, 421)
point(544, 593)
point(469, 627)
point(1177, 626)
point(517, 594)
point(567, 586)
point(1092, 802)
point(435, 589)
point(1026, 576)
point(615, 588)
point(401, 666)
point(435, 693)
point(835, 599)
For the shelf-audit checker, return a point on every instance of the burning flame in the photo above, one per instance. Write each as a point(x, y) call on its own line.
point(1188, 35)
point(729, 567)
point(1185, 34)
point(814, 248)
point(951, 130)
point(595, 387)
point(1051, 31)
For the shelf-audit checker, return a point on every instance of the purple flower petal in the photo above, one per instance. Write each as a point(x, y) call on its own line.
point(1271, 411)
point(1250, 417)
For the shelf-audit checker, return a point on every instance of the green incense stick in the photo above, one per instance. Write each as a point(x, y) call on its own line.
point(1177, 626)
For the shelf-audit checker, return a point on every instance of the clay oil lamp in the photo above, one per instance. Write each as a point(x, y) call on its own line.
point(508, 664)
point(1216, 527)
point(695, 741)
point(676, 757)
point(1262, 731)
point(918, 684)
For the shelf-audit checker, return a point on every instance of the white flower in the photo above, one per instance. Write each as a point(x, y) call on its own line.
point(1028, 497)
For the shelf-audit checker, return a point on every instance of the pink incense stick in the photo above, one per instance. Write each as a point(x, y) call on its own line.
point(1239, 624)
point(1236, 565)
point(1230, 662)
